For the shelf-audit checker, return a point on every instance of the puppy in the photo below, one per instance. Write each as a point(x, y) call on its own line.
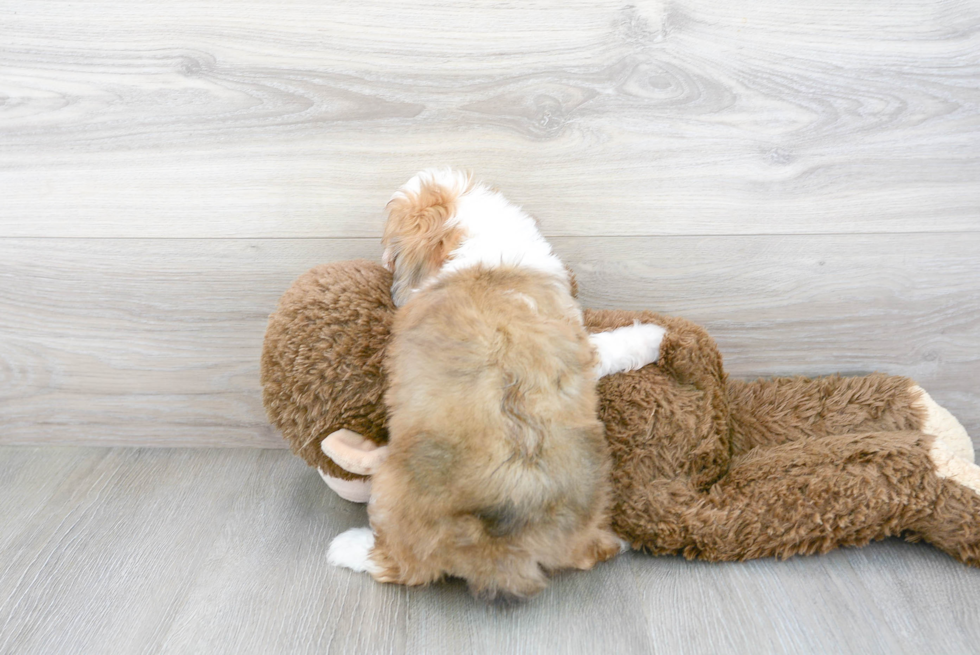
point(497, 469)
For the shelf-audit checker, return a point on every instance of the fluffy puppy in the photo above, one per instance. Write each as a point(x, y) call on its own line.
point(497, 469)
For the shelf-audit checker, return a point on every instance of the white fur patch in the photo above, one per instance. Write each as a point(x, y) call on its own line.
point(627, 348)
point(499, 233)
point(352, 550)
point(948, 465)
point(940, 423)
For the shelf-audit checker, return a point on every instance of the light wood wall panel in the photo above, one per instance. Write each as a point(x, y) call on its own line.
point(226, 118)
point(157, 341)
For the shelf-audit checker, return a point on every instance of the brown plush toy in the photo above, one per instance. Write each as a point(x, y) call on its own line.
point(703, 466)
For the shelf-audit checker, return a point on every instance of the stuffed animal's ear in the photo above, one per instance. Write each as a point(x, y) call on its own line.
point(353, 453)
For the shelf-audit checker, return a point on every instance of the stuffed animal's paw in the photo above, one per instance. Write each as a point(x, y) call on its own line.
point(944, 426)
point(352, 550)
point(957, 469)
point(952, 451)
point(356, 491)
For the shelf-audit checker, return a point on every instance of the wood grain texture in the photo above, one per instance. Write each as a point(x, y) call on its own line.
point(866, 600)
point(223, 551)
point(131, 542)
point(258, 119)
point(107, 342)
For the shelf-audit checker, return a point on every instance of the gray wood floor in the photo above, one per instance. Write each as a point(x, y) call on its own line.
point(222, 551)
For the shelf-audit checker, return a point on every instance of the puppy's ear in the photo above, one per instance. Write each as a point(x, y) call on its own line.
point(353, 453)
point(420, 233)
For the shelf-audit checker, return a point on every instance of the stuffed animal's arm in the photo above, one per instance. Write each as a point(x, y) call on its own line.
point(690, 354)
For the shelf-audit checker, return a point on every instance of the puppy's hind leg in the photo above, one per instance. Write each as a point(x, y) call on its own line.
point(627, 348)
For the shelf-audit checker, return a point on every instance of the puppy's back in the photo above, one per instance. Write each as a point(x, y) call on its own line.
point(497, 458)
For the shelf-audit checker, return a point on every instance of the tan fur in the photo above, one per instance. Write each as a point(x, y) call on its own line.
point(702, 465)
point(418, 236)
point(492, 424)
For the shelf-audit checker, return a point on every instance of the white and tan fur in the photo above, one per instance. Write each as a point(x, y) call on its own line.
point(497, 469)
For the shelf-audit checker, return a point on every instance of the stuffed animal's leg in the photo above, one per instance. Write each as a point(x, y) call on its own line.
point(815, 495)
point(780, 410)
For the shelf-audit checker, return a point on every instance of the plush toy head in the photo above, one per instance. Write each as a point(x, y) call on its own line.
point(322, 369)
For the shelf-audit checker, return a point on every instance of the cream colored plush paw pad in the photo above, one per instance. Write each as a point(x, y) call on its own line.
point(356, 491)
point(948, 465)
point(940, 423)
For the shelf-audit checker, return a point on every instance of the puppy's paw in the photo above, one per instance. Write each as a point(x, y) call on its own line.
point(603, 547)
point(352, 550)
point(627, 348)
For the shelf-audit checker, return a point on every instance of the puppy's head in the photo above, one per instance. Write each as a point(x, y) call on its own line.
point(422, 230)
